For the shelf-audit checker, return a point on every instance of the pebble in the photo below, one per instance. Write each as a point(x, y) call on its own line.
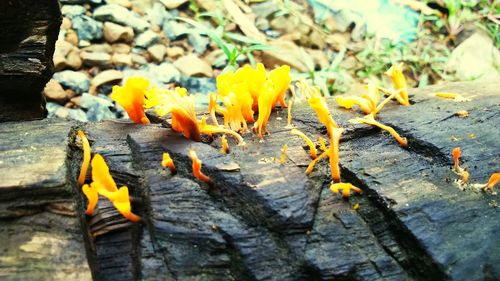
point(99, 59)
point(71, 2)
point(138, 59)
point(157, 14)
point(146, 39)
point(192, 65)
point(104, 77)
point(114, 32)
point(120, 15)
point(71, 11)
point(125, 3)
point(173, 30)
point(72, 37)
point(173, 4)
point(99, 48)
point(122, 59)
point(56, 110)
point(157, 52)
point(158, 75)
point(66, 56)
point(77, 81)
point(174, 52)
point(53, 91)
point(66, 23)
point(198, 42)
point(121, 48)
point(87, 28)
point(98, 107)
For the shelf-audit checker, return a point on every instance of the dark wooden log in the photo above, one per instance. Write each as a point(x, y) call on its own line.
point(260, 220)
point(27, 40)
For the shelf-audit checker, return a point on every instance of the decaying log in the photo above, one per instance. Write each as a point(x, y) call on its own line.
point(262, 220)
point(28, 33)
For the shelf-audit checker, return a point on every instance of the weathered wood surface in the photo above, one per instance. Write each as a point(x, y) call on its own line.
point(265, 221)
point(28, 33)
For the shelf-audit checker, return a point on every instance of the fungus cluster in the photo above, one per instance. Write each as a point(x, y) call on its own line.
point(464, 174)
point(103, 184)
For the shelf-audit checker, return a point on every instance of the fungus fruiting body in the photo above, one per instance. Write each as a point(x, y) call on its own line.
point(465, 176)
point(333, 154)
point(399, 81)
point(283, 154)
point(103, 184)
point(370, 120)
point(312, 148)
point(495, 177)
point(456, 155)
point(225, 145)
point(345, 187)
point(131, 98)
point(86, 157)
point(167, 162)
point(197, 167)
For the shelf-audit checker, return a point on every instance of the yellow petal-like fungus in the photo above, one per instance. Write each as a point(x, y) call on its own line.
point(86, 157)
point(399, 82)
point(197, 168)
point(167, 162)
point(494, 179)
point(131, 98)
point(346, 188)
point(103, 184)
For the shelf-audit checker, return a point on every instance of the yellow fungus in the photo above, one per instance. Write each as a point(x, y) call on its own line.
point(456, 155)
point(283, 154)
point(103, 184)
point(399, 82)
point(322, 144)
point(495, 177)
point(289, 116)
point(334, 153)
point(356, 206)
point(371, 121)
point(86, 157)
point(212, 108)
point(131, 98)
point(167, 162)
point(465, 176)
point(225, 145)
point(345, 187)
point(197, 167)
point(453, 96)
point(312, 147)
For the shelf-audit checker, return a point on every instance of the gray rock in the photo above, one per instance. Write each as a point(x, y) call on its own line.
point(98, 107)
point(146, 39)
point(71, 11)
point(198, 42)
point(77, 81)
point(198, 84)
point(120, 15)
point(72, 2)
point(158, 75)
point(87, 28)
point(173, 30)
point(475, 58)
point(157, 14)
point(99, 59)
point(58, 111)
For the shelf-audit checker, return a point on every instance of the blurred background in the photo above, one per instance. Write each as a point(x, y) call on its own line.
point(336, 44)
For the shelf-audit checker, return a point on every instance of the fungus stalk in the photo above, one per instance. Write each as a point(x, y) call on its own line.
point(86, 157)
point(283, 154)
point(312, 148)
point(334, 153)
point(346, 188)
point(225, 145)
point(369, 119)
point(456, 155)
point(167, 162)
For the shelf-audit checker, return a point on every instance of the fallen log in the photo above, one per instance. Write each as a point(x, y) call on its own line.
point(263, 220)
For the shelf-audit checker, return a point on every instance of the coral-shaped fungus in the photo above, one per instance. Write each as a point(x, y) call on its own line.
point(131, 98)
point(312, 148)
point(197, 168)
point(249, 90)
point(103, 184)
point(370, 120)
point(167, 162)
point(181, 106)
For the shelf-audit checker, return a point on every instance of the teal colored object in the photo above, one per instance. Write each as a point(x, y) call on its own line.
point(382, 18)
